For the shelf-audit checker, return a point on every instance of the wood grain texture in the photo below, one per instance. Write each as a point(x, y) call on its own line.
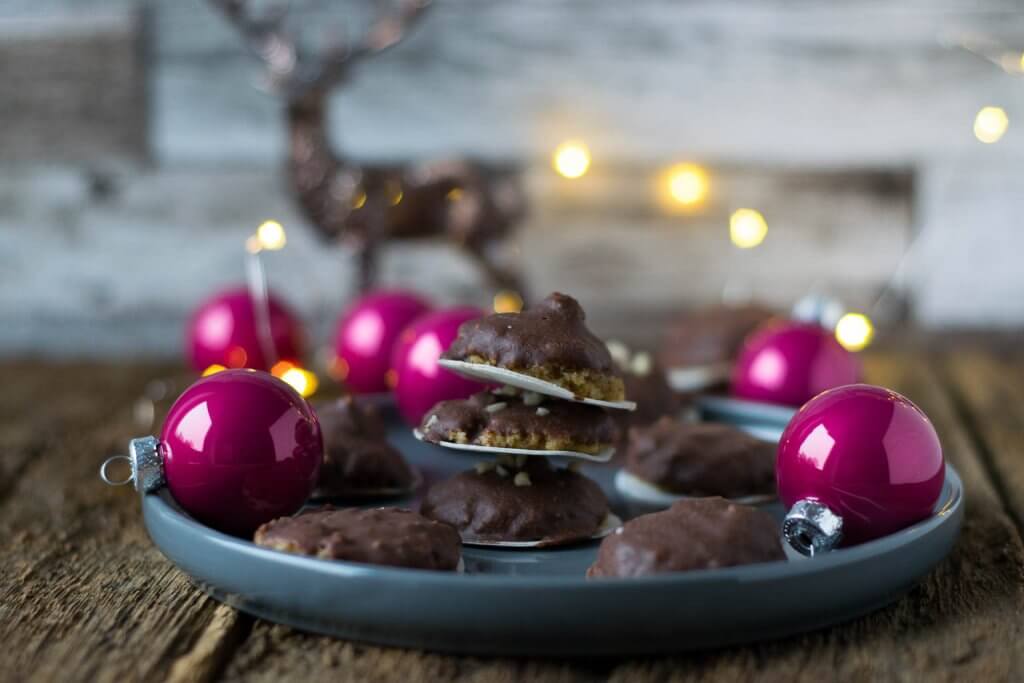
point(961, 623)
point(124, 272)
point(85, 596)
point(89, 108)
point(861, 82)
point(991, 394)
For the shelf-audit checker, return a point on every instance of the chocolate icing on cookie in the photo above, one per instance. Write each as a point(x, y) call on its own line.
point(702, 459)
point(387, 536)
point(510, 421)
point(357, 456)
point(549, 341)
point(710, 335)
point(700, 533)
point(556, 506)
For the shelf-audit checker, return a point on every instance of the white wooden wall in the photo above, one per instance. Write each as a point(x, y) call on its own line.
point(848, 124)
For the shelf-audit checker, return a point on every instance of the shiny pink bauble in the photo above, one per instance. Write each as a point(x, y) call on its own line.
point(419, 382)
point(789, 362)
point(366, 337)
point(223, 331)
point(240, 448)
point(869, 454)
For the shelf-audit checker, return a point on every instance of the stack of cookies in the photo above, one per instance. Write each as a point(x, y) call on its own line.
point(558, 384)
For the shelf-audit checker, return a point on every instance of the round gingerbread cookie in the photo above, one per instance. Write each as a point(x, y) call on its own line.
point(701, 459)
point(508, 420)
point(385, 536)
point(358, 460)
point(700, 533)
point(549, 341)
point(528, 500)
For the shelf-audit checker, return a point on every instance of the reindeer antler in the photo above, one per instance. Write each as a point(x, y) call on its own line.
point(267, 38)
point(385, 32)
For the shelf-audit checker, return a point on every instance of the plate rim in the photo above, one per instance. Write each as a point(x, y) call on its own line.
point(157, 505)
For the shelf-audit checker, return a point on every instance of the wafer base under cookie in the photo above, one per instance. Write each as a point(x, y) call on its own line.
point(584, 383)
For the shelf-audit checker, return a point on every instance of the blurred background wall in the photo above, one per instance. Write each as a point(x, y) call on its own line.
point(138, 151)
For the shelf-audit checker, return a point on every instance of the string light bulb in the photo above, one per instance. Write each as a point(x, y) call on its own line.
point(507, 301)
point(990, 124)
point(747, 228)
point(299, 379)
point(271, 236)
point(686, 185)
point(571, 159)
point(854, 331)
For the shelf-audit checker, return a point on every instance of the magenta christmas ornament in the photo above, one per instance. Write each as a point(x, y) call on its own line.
point(237, 449)
point(419, 382)
point(789, 362)
point(225, 330)
point(366, 337)
point(856, 463)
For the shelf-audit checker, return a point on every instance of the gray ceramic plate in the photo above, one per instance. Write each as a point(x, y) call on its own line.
point(538, 602)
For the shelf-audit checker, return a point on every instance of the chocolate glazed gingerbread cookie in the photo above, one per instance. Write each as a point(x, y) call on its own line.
point(702, 459)
point(527, 422)
point(549, 341)
point(358, 460)
point(529, 501)
point(702, 533)
point(388, 536)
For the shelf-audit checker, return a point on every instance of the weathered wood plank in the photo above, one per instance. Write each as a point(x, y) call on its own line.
point(961, 623)
point(125, 273)
point(861, 82)
point(84, 595)
point(991, 393)
point(73, 88)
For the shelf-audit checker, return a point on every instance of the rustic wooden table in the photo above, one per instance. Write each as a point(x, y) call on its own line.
point(86, 596)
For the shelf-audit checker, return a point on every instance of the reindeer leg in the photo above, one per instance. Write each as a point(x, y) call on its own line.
point(366, 256)
point(499, 275)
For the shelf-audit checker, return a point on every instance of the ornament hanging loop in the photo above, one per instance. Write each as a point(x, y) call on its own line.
point(105, 473)
point(146, 463)
point(811, 528)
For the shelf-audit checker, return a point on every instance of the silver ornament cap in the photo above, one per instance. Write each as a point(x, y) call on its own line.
point(147, 467)
point(811, 528)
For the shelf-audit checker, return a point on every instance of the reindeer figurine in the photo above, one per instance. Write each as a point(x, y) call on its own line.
point(364, 205)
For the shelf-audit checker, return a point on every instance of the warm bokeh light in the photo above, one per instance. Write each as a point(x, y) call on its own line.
point(854, 331)
point(454, 194)
point(990, 124)
point(271, 236)
point(302, 381)
point(571, 159)
point(507, 301)
point(213, 370)
point(747, 228)
point(686, 184)
point(337, 368)
point(359, 200)
point(281, 367)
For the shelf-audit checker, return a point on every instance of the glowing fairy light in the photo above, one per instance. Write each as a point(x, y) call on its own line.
point(990, 124)
point(299, 379)
point(571, 159)
point(854, 331)
point(271, 236)
point(686, 185)
point(747, 228)
point(507, 301)
point(213, 370)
